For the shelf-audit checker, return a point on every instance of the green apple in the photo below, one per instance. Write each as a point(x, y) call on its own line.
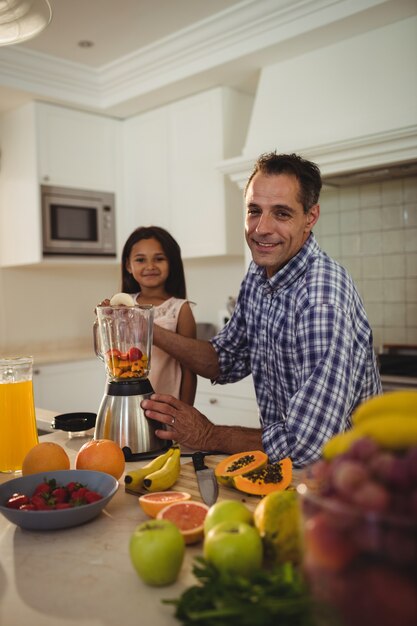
point(157, 550)
point(227, 511)
point(234, 547)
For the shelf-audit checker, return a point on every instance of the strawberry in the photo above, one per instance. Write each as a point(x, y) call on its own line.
point(79, 493)
point(60, 495)
point(113, 352)
point(17, 500)
point(92, 496)
point(134, 354)
point(40, 503)
point(42, 488)
point(27, 507)
point(63, 505)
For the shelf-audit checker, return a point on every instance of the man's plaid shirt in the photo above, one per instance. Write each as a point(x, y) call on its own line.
point(305, 337)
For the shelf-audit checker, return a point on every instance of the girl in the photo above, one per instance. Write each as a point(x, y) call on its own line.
point(152, 271)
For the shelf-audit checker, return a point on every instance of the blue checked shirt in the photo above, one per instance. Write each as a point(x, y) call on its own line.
point(305, 337)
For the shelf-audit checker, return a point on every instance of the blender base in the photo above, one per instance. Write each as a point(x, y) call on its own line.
point(121, 419)
point(143, 456)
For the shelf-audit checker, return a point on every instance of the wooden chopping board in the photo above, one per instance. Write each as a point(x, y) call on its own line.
point(188, 482)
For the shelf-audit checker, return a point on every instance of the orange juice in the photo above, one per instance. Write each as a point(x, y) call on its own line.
point(18, 433)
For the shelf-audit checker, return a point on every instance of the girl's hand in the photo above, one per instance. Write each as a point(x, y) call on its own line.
point(105, 302)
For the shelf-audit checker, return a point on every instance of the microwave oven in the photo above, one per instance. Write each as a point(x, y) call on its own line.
point(77, 222)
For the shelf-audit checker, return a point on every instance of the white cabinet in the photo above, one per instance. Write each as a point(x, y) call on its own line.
point(145, 173)
point(69, 387)
point(77, 149)
point(171, 174)
point(42, 143)
point(232, 405)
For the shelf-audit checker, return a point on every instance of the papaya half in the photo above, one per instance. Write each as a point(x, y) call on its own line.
point(273, 477)
point(239, 465)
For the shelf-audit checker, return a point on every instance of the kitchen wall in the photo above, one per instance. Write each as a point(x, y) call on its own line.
point(54, 306)
point(51, 305)
point(210, 282)
point(371, 229)
point(346, 90)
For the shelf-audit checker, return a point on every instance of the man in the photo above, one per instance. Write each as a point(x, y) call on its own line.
point(299, 327)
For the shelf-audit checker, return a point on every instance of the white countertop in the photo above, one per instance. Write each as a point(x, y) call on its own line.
point(82, 576)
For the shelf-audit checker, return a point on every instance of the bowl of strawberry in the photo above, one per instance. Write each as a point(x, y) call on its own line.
point(59, 499)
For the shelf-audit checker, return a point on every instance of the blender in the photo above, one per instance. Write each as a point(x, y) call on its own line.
point(123, 341)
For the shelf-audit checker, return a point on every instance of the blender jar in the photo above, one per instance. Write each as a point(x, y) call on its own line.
point(123, 340)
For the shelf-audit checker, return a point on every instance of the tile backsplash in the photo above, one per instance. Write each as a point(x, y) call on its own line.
point(371, 230)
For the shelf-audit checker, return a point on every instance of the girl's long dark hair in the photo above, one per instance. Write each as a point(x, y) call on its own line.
point(175, 284)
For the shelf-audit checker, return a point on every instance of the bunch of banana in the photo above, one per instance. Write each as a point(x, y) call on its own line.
point(390, 419)
point(401, 403)
point(166, 476)
point(158, 468)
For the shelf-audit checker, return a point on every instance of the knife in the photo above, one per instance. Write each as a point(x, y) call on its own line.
point(206, 479)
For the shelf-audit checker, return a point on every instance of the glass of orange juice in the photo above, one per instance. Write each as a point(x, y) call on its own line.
point(18, 432)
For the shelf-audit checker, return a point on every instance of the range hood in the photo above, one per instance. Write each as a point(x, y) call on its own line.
point(371, 175)
point(360, 160)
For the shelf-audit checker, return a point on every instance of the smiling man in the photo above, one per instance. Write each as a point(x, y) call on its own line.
point(299, 327)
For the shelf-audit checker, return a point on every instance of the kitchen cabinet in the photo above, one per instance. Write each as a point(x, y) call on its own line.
point(171, 178)
point(69, 387)
point(145, 185)
point(77, 149)
point(233, 404)
point(46, 144)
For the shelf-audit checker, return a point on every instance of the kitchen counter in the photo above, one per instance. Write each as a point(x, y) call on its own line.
point(54, 351)
point(83, 575)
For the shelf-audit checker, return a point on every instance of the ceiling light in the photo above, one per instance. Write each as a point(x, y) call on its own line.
point(22, 19)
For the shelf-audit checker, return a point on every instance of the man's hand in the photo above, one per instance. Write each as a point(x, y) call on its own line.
point(184, 423)
point(192, 429)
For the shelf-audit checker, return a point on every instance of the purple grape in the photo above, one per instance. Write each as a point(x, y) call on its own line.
point(399, 545)
point(372, 496)
point(400, 503)
point(363, 449)
point(381, 465)
point(413, 504)
point(347, 477)
point(411, 459)
point(399, 477)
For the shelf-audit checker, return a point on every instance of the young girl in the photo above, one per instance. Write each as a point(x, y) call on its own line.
point(152, 271)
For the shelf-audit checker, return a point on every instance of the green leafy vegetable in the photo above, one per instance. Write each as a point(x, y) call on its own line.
point(274, 597)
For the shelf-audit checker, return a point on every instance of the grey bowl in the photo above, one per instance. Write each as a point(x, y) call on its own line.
point(103, 483)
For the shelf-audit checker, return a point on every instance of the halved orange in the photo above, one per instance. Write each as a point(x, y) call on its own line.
point(152, 503)
point(188, 516)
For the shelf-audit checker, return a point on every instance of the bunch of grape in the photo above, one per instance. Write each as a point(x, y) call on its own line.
point(360, 530)
point(371, 478)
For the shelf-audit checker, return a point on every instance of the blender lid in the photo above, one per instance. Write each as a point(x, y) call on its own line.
point(74, 422)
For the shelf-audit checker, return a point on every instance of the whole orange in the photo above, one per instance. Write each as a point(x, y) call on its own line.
point(101, 455)
point(45, 457)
